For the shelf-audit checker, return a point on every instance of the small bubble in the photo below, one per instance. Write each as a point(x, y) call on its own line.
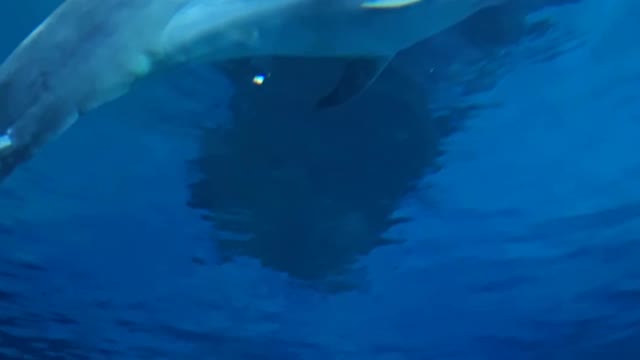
point(259, 79)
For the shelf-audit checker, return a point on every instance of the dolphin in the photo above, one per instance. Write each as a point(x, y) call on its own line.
point(87, 53)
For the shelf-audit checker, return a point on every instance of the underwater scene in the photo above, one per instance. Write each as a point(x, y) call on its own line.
point(319, 179)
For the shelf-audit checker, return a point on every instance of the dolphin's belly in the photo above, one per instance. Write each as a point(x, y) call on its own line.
point(364, 32)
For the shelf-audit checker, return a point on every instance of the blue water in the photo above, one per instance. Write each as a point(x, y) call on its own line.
point(522, 204)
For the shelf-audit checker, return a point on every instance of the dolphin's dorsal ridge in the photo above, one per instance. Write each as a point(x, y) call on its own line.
point(356, 76)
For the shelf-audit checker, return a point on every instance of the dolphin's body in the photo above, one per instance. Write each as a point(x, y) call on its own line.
point(88, 52)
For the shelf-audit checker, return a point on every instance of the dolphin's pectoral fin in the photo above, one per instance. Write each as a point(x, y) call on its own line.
point(357, 75)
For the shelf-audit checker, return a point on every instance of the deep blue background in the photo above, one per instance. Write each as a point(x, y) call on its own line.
point(522, 245)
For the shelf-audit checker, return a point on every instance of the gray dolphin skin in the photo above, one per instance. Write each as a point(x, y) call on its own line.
point(89, 52)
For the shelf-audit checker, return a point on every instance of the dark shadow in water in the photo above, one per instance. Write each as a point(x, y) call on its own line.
point(315, 188)
point(313, 191)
